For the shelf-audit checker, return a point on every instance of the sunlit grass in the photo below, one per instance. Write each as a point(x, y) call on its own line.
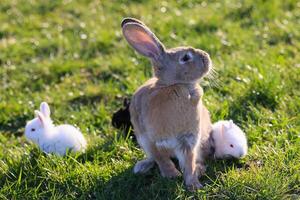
point(72, 55)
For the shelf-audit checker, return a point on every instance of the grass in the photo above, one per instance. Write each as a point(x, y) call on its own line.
point(72, 55)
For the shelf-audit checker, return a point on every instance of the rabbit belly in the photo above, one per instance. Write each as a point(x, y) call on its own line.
point(179, 143)
point(54, 147)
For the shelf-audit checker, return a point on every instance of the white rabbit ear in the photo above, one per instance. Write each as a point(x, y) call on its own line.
point(40, 116)
point(45, 109)
point(222, 130)
point(230, 123)
point(141, 38)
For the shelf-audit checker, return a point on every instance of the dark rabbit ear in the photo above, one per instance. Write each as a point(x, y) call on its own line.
point(141, 38)
point(126, 102)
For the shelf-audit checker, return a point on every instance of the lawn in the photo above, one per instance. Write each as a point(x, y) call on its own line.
point(72, 54)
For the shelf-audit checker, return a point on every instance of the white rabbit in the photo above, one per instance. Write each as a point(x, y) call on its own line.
point(229, 140)
point(51, 138)
point(224, 140)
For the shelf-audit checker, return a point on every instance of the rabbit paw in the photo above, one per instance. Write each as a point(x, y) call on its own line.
point(193, 184)
point(143, 166)
point(170, 173)
point(200, 169)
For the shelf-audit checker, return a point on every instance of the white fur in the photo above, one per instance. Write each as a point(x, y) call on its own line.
point(144, 165)
point(170, 143)
point(229, 139)
point(51, 138)
point(145, 144)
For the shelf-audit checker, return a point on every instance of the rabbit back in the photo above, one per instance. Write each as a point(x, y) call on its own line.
point(64, 138)
point(71, 137)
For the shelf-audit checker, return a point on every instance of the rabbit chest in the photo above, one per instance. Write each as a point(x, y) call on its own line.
point(169, 112)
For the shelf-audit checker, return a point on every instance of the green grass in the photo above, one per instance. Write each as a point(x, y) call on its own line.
point(72, 55)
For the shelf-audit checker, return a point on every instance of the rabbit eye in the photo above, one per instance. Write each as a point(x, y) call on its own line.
point(33, 129)
point(231, 145)
point(185, 58)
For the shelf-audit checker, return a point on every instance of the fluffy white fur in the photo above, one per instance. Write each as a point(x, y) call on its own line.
point(229, 140)
point(51, 138)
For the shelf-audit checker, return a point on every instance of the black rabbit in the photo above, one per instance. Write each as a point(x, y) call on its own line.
point(121, 119)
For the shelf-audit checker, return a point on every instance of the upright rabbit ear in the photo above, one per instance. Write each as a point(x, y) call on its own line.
point(45, 110)
point(126, 102)
point(40, 116)
point(131, 20)
point(230, 123)
point(222, 130)
point(141, 38)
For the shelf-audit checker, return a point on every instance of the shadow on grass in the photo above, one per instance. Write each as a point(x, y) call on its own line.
point(215, 167)
point(86, 100)
point(257, 96)
point(119, 185)
point(14, 125)
point(127, 185)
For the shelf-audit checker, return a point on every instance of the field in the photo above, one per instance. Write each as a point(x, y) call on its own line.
point(72, 54)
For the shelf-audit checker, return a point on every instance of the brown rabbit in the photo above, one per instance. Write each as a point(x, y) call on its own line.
point(166, 112)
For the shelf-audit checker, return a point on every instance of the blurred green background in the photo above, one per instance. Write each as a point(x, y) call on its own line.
point(72, 55)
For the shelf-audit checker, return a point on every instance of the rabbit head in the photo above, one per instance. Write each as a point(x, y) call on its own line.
point(35, 129)
point(171, 66)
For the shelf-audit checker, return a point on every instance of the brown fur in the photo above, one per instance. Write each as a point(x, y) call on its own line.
point(167, 110)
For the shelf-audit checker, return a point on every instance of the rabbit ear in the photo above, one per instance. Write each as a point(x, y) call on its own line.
point(141, 38)
point(126, 102)
point(45, 109)
point(222, 130)
point(230, 123)
point(132, 20)
point(40, 116)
